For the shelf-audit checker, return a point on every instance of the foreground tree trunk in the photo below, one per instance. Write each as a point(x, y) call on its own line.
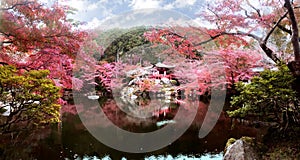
point(294, 66)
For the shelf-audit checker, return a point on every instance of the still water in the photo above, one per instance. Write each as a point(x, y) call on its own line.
point(71, 140)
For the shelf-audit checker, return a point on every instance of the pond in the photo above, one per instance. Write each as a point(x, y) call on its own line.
point(71, 139)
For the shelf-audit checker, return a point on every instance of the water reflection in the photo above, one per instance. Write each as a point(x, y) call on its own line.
point(167, 157)
point(72, 140)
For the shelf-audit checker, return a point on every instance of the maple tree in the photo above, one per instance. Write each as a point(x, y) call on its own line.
point(234, 65)
point(238, 20)
point(177, 41)
point(195, 67)
point(34, 36)
point(272, 27)
point(241, 25)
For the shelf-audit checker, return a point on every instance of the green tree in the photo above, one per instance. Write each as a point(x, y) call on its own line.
point(124, 43)
point(27, 99)
point(269, 98)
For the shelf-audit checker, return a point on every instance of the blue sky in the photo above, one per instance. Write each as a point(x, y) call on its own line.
point(95, 12)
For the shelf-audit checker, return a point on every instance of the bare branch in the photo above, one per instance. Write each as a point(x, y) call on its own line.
point(219, 18)
point(273, 28)
point(257, 10)
point(296, 7)
point(284, 29)
point(263, 45)
point(229, 33)
point(3, 63)
point(269, 53)
point(5, 34)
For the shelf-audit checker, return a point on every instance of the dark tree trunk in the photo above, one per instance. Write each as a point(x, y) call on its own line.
point(295, 35)
point(294, 66)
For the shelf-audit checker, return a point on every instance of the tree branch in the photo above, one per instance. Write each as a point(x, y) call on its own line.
point(257, 10)
point(218, 17)
point(232, 34)
point(262, 42)
point(15, 5)
point(269, 53)
point(3, 63)
point(263, 45)
point(273, 28)
point(284, 29)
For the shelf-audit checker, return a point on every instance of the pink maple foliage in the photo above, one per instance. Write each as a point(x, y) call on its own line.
point(177, 42)
point(35, 36)
point(235, 22)
point(233, 63)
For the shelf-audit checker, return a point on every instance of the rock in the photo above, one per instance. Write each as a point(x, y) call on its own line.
point(167, 101)
point(133, 97)
point(161, 123)
point(156, 81)
point(168, 93)
point(241, 149)
point(93, 97)
point(5, 111)
point(130, 91)
point(161, 65)
point(230, 141)
point(138, 72)
point(165, 80)
point(173, 82)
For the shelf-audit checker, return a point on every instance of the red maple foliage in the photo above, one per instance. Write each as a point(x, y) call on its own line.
point(237, 21)
point(34, 36)
point(176, 41)
point(232, 63)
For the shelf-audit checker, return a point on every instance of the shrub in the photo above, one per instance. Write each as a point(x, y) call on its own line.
point(27, 99)
point(268, 97)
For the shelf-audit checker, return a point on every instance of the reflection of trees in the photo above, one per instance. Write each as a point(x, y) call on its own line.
point(124, 120)
point(74, 139)
point(22, 145)
point(83, 144)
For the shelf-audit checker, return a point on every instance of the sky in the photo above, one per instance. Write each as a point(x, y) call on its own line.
point(98, 12)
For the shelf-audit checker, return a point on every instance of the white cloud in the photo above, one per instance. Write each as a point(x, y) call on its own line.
point(88, 9)
point(168, 6)
point(148, 17)
point(180, 4)
point(81, 5)
point(96, 12)
point(92, 6)
point(92, 24)
point(142, 4)
point(103, 1)
point(48, 3)
point(77, 4)
point(202, 23)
